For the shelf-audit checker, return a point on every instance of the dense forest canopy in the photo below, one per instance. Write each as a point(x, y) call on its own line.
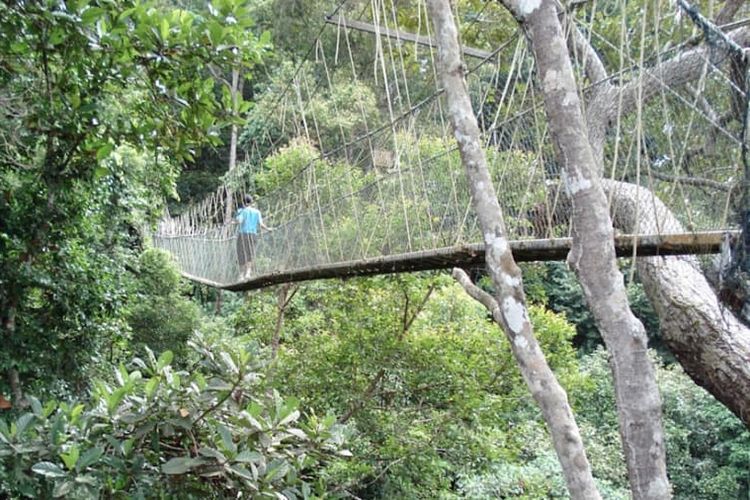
point(119, 378)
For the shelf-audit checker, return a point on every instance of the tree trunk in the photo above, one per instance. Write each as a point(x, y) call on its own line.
point(282, 301)
point(592, 256)
point(508, 307)
point(710, 343)
point(235, 91)
point(14, 380)
point(9, 330)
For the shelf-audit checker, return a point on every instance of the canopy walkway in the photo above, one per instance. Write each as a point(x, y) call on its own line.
point(353, 164)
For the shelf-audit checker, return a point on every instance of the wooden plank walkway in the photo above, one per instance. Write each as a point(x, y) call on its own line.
point(473, 256)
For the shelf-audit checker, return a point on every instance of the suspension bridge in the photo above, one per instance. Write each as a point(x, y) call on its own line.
point(353, 163)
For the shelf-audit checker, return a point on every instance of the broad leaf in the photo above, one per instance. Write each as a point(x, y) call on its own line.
point(179, 465)
point(71, 457)
point(90, 457)
point(248, 456)
point(48, 469)
point(63, 488)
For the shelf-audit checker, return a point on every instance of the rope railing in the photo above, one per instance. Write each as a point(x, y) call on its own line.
point(395, 186)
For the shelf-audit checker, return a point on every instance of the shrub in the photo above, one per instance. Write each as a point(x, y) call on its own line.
point(159, 432)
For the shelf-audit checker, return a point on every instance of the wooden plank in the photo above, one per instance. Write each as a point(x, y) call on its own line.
point(473, 256)
point(400, 35)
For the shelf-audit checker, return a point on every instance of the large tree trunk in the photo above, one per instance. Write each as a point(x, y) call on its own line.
point(593, 255)
point(710, 343)
point(508, 307)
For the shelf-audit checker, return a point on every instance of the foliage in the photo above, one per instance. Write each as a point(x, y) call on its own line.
point(708, 448)
point(160, 432)
point(333, 115)
point(131, 186)
point(91, 89)
point(430, 392)
point(537, 475)
point(160, 316)
point(556, 286)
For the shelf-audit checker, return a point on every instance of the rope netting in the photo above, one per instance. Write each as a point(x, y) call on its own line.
point(354, 158)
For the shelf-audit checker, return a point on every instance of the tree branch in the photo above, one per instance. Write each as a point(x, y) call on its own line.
point(357, 405)
point(283, 300)
point(681, 69)
point(477, 293)
point(592, 63)
point(728, 11)
point(695, 181)
point(505, 273)
point(408, 321)
point(709, 341)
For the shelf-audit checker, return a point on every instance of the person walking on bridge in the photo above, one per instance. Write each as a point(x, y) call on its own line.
point(251, 221)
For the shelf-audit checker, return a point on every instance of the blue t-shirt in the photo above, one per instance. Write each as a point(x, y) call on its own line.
point(249, 219)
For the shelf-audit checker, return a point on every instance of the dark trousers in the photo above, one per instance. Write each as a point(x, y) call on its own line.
point(246, 249)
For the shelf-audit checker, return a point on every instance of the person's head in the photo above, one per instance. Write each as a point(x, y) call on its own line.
point(248, 200)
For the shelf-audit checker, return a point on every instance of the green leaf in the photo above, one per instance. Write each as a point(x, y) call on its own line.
point(288, 411)
point(226, 438)
point(71, 457)
point(200, 381)
point(56, 431)
point(165, 358)
point(114, 399)
point(49, 407)
point(215, 33)
point(76, 412)
point(242, 472)
point(23, 422)
point(151, 386)
point(48, 469)
point(179, 465)
point(164, 28)
point(91, 15)
point(104, 151)
point(219, 385)
point(20, 48)
point(100, 172)
point(212, 453)
point(87, 479)
point(229, 362)
point(248, 456)
point(151, 357)
point(75, 100)
point(63, 488)
point(36, 406)
point(4, 431)
point(252, 421)
point(298, 433)
point(276, 469)
point(90, 457)
point(289, 418)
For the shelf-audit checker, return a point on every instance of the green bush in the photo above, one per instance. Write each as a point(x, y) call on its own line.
point(159, 315)
point(430, 399)
point(157, 432)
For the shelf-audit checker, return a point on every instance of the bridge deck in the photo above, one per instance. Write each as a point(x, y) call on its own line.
point(473, 255)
